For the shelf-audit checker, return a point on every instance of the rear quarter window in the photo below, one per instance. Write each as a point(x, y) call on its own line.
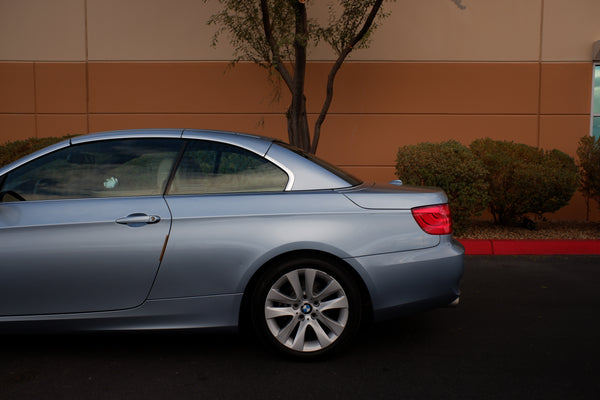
point(211, 167)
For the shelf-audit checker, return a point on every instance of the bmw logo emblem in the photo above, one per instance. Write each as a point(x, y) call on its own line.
point(306, 309)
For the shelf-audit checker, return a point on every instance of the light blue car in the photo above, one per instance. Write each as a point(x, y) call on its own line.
point(178, 229)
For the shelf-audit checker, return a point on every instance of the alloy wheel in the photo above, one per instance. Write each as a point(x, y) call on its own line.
point(306, 310)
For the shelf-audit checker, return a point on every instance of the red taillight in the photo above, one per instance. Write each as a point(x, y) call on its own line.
point(434, 220)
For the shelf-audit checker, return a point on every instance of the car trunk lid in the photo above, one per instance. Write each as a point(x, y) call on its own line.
point(394, 197)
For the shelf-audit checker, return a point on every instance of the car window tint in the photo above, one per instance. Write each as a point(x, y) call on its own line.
point(113, 168)
point(210, 167)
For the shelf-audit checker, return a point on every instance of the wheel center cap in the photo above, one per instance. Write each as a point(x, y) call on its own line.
point(306, 309)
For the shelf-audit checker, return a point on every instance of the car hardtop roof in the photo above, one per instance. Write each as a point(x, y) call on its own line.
point(255, 143)
point(259, 144)
point(165, 133)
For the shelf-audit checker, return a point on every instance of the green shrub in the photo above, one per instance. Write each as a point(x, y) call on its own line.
point(589, 164)
point(452, 167)
point(12, 151)
point(525, 180)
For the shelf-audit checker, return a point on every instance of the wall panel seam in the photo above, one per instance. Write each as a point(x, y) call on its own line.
point(540, 58)
point(441, 61)
point(565, 114)
point(35, 101)
point(282, 114)
point(87, 69)
point(125, 61)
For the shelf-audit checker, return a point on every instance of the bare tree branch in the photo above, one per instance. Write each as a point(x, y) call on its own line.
point(264, 8)
point(336, 67)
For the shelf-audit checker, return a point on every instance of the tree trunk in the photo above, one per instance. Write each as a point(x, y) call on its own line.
point(297, 123)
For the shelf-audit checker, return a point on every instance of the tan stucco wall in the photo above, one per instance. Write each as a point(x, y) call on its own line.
point(425, 30)
point(42, 30)
point(570, 29)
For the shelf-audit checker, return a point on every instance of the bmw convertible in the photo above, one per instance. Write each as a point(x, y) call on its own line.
point(190, 229)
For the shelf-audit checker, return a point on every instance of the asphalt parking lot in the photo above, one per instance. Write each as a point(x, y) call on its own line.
point(528, 327)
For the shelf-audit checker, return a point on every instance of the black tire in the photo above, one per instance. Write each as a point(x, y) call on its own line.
point(317, 322)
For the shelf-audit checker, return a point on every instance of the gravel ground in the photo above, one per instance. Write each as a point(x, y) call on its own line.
point(574, 230)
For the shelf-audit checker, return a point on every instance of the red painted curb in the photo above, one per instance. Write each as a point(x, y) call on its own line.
point(529, 247)
point(479, 247)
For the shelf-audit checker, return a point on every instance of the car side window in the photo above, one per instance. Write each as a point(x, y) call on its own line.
point(112, 168)
point(212, 167)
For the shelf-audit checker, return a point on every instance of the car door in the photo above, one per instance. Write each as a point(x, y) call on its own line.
point(215, 196)
point(90, 233)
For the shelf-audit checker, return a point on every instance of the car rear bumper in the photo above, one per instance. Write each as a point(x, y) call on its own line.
point(405, 282)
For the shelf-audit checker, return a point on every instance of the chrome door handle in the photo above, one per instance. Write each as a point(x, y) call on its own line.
point(138, 219)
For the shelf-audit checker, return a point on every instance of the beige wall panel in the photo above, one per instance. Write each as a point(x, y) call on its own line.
point(566, 88)
point(266, 125)
point(563, 132)
point(61, 87)
point(431, 30)
point(570, 29)
point(179, 88)
point(152, 30)
point(16, 88)
point(58, 125)
point(16, 127)
point(436, 30)
point(374, 140)
point(42, 30)
point(416, 30)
